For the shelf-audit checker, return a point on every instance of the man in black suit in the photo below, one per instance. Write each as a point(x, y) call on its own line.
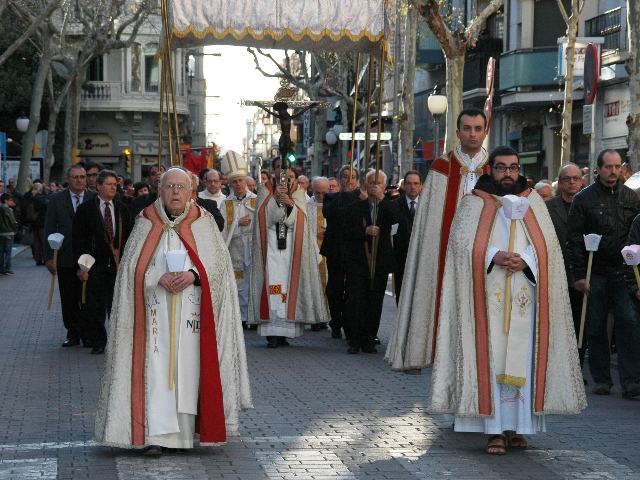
point(333, 208)
point(59, 218)
point(141, 202)
point(101, 228)
point(365, 295)
point(408, 204)
point(569, 184)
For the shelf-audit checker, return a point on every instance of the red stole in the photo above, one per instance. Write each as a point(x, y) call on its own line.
point(210, 422)
point(483, 353)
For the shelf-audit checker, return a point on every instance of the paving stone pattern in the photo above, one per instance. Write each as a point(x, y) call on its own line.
point(319, 413)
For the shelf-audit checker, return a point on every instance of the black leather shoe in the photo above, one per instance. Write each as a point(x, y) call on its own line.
point(152, 450)
point(336, 334)
point(315, 328)
point(377, 341)
point(353, 350)
point(282, 342)
point(272, 342)
point(369, 350)
point(71, 342)
point(97, 351)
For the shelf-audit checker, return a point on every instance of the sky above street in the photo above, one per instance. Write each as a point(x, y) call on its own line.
point(231, 77)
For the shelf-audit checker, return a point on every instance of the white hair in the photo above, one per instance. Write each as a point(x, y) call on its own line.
point(316, 180)
point(181, 169)
point(213, 170)
point(542, 184)
point(372, 172)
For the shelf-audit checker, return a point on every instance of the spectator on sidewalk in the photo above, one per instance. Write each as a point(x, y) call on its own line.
point(36, 214)
point(606, 208)
point(8, 228)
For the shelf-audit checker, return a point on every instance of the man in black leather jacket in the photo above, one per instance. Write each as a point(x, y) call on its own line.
point(606, 208)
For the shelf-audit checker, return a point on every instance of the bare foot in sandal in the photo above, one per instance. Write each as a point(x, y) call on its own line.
point(497, 445)
point(516, 440)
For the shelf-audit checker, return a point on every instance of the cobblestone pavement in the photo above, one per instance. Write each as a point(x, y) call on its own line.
point(319, 413)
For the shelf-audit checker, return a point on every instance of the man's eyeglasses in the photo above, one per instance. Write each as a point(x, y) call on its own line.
point(78, 177)
point(570, 179)
point(92, 174)
point(504, 168)
point(172, 186)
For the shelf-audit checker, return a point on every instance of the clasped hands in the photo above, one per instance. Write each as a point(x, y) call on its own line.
point(176, 283)
point(510, 261)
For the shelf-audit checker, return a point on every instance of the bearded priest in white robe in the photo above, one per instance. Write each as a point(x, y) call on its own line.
point(239, 210)
point(285, 291)
point(412, 341)
point(503, 384)
point(161, 386)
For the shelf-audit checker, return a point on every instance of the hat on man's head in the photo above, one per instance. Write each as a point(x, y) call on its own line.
point(233, 165)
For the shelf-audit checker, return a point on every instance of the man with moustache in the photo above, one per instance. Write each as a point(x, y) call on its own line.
point(607, 207)
point(499, 380)
point(450, 177)
point(59, 219)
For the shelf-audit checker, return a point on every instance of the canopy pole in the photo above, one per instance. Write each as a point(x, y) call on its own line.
point(374, 243)
point(355, 118)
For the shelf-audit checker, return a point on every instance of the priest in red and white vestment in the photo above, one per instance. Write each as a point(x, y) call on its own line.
point(286, 291)
point(493, 379)
point(411, 345)
point(139, 404)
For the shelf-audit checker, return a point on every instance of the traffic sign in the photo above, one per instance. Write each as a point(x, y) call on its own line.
point(488, 109)
point(591, 73)
point(362, 135)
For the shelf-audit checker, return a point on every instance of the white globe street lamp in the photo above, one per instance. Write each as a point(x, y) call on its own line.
point(437, 106)
point(22, 124)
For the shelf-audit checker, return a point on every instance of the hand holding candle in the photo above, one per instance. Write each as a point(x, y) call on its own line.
point(85, 262)
point(55, 242)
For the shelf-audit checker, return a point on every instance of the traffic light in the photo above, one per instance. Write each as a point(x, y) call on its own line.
point(75, 156)
point(126, 153)
point(291, 158)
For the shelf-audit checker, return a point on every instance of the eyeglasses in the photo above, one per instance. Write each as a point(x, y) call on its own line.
point(78, 177)
point(570, 179)
point(172, 186)
point(92, 174)
point(504, 168)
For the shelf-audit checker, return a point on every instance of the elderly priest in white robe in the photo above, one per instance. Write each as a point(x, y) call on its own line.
point(161, 387)
point(503, 384)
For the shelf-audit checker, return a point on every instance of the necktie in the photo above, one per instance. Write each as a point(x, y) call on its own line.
point(76, 203)
point(412, 213)
point(108, 224)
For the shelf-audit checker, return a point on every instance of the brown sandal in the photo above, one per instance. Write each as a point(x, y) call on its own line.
point(516, 441)
point(497, 445)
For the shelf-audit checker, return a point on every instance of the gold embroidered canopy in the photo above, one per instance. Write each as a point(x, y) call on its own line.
point(314, 25)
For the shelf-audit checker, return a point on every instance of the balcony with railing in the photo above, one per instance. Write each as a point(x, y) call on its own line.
point(475, 70)
point(535, 67)
point(119, 96)
point(611, 25)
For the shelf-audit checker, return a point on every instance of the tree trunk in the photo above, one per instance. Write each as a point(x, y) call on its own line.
point(407, 119)
point(29, 137)
point(455, 72)
point(633, 69)
point(318, 133)
point(567, 111)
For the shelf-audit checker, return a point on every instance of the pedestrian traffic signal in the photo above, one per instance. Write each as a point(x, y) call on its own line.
point(126, 153)
point(291, 158)
point(75, 156)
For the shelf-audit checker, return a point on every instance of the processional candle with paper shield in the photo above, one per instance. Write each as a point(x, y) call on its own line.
point(514, 208)
point(591, 243)
point(175, 264)
point(85, 262)
point(55, 242)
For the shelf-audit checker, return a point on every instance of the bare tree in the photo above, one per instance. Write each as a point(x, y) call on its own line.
point(454, 45)
point(633, 69)
point(407, 118)
point(567, 113)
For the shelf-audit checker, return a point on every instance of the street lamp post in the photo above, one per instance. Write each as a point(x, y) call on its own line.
point(437, 106)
